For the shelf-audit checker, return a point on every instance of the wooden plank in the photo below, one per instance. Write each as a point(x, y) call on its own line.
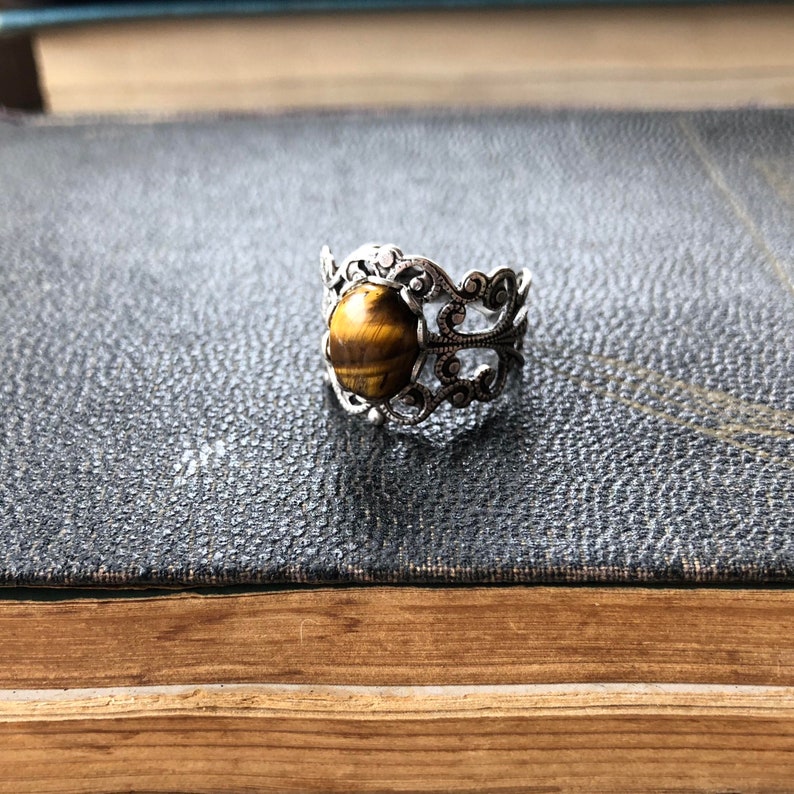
point(528, 739)
point(396, 635)
point(618, 57)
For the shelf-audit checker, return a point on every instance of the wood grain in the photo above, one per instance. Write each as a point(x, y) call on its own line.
point(618, 57)
point(410, 635)
point(528, 739)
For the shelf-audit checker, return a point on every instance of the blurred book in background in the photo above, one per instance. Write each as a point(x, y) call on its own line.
point(280, 55)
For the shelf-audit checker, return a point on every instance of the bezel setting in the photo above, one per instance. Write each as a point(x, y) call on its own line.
point(500, 296)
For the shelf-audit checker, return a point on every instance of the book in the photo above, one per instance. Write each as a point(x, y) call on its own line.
point(398, 689)
point(621, 57)
point(164, 420)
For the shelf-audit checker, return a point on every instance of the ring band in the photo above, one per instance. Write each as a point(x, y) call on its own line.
point(379, 343)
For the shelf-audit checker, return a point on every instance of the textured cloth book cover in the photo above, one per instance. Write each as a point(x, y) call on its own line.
point(162, 413)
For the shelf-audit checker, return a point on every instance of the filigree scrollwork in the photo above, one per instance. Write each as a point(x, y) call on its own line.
point(500, 296)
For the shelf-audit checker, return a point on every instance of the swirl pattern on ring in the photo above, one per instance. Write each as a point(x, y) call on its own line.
point(499, 295)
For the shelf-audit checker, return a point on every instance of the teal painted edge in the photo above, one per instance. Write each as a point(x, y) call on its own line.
point(20, 20)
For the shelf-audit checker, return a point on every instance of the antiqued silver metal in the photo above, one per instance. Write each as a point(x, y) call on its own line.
point(500, 296)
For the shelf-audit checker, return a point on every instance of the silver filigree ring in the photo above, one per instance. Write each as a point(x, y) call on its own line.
point(402, 340)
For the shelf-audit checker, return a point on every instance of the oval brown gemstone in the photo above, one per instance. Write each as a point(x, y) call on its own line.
point(373, 342)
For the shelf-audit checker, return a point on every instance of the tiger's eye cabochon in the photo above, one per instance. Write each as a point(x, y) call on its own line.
point(374, 341)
